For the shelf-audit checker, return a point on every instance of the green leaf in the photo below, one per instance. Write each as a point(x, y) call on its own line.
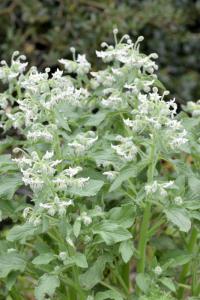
point(181, 260)
point(194, 184)
point(6, 164)
point(124, 216)
point(77, 228)
point(21, 232)
point(95, 119)
point(179, 217)
point(143, 282)
point(166, 281)
point(95, 273)
point(46, 286)
point(9, 184)
point(126, 249)
point(111, 233)
point(110, 294)
point(11, 279)
point(159, 84)
point(90, 188)
point(61, 119)
point(80, 260)
point(43, 259)
point(195, 215)
point(125, 174)
point(11, 261)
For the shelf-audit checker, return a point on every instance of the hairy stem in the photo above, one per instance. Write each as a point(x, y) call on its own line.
point(144, 236)
point(185, 270)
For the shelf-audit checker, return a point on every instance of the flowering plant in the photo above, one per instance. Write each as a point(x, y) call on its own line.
point(99, 181)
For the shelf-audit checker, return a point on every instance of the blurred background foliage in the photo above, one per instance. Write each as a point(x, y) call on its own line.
point(45, 29)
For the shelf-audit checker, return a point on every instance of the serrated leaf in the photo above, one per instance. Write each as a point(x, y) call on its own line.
point(115, 295)
point(143, 282)
point(90, 188)
point(21, 232)
point(179, 218)
point(111, 233)
point(11, 261)
point(46, 286)
point(166, 281)
point(94, 274)
point(43, 259)
point(126, 249)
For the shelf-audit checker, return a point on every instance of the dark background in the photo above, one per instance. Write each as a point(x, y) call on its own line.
point(44, 30)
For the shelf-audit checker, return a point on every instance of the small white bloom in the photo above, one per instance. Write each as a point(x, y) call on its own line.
point(178, 200)
point(62, 255)
point(71, 172)
point(158, 270)
point(87, 220)
point(111, 175)
point(151, 188)
point(26, 212)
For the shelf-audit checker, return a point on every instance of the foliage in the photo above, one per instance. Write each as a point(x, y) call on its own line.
point(103, 178)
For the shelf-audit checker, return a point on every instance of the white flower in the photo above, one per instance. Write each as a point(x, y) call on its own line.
point(127, 150)
point(83, 65)
point(62, 255)
point(158, 270)
point(87, 220)
point(179, 140)
point(45, 205)
point(168, 184)
point(80, 182)
point(158, 187)
point(37, 221)
point(40, 135)
point(151, 188)
point(178, 200)
point(26, 212)
point(48, 155)
point(80, 66)
point(71, 172)
point(83, 142)
point(111, 174)
point(113, 101)
point(22, 161)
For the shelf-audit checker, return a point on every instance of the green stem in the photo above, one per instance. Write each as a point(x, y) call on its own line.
point(144, 235)
point(125, 274)
point(121, 281)
point(143, 238)
point(186, 267)
point(80, 295)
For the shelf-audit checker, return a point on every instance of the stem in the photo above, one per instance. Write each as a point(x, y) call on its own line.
point(143, 238)
point(80, 295)
point(125, 274)
point(186, 267)
point(121, 281)
point(144, 235)
point(110, 287)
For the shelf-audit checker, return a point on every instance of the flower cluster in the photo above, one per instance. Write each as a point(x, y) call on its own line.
point(159, 188)
point(126, 149)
